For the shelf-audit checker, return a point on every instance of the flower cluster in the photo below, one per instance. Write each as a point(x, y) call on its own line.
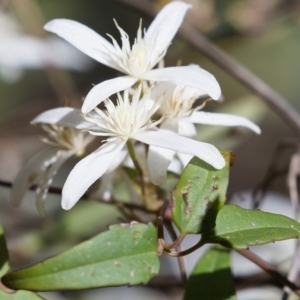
point(154, 106)
point(40, 170)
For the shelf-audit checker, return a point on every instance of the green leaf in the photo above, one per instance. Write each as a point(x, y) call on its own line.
point(199, 194)
point(211, 279)
point(4, 267)
point(240, 228)
point(19, 295)
point(126, 254)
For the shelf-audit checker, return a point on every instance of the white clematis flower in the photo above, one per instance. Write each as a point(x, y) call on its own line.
point(41, 169)
point(20, 51)
point(138, 60)
point(129, 119)
point(180, 117)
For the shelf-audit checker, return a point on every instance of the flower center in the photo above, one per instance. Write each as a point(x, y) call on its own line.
point(139, 58)
point(70, 139)
point(131, 115)
point(178, 105)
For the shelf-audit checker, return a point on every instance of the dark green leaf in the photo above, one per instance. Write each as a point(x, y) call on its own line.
point(3, 254)
point(199, 194)
point(211, 278)
point(126, 254)
point(240, 228)
point(19, 295)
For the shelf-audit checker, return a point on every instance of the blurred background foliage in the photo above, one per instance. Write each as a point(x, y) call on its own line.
point(264, 35)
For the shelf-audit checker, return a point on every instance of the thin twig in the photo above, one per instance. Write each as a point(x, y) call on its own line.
point(294, 172)
point(273, 169)
point(276, 102)
point(161, 240)
point(111, 201)
point(293, 272)
point(173, 235)
point(160, 228)
point(269, 269)
point(181, 260)
point(185, 252)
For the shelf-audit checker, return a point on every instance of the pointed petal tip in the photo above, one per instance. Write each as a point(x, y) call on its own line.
point(256, 129)
point(219, 164)
point(66, 204)
point(85, 109)
point(50, 25)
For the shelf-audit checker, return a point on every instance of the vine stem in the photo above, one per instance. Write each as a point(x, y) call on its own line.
point(111, 201)
point(275, 101)
point(166, 248)
point(269, 269)
point(177, 241)
point(181, 260)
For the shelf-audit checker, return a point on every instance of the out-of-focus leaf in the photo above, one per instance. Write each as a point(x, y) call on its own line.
point(94, 215)
point(20, 295)
point(199, 194)
point(126, 254)
point(211, 278)
point(240, 228)
point(3, 254)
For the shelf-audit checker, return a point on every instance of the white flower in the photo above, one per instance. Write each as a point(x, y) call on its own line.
point(180, 116)
point(129, 119)
point(136, 61)
point(41, 169)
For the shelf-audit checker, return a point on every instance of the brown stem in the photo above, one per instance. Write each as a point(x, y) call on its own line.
point(181, 260)
point(269, 269)
point(161, 240)
point(57, 191)
point(185, 252)
point(276, 102)
point(160, 228)
point(293, 272)
point(176, 242)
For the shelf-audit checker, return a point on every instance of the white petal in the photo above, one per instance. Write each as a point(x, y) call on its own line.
point(201, 117)
point(87, 171)
point(158, 161)
point(85, 39)
point(31, 173)
point(105, 187)
point(188, 92)
point(165, 25)
point(118, 160)
point(66, 117)
point(162, 89)
point(172, 141)
point(190, 76)
point(170, 124)
point(105, 89)
point(184, 158)
point(47, 178)
point(186, 128)
point(175, 166)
